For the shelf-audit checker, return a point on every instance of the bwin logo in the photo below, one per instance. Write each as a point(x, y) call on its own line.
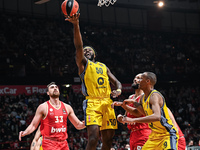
point(58, 130)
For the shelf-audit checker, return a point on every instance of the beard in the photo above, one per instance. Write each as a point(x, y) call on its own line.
point(135, 86)
point(55, 95)
point(91, 58)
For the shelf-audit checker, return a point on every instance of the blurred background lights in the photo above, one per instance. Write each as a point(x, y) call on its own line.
point(160, 4)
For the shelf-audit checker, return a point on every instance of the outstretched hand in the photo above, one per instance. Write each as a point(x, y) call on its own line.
point(21, 134)
point(115, 93)
point(74, 19)
point(81, 125)
point(116, 103)
point(120, 118)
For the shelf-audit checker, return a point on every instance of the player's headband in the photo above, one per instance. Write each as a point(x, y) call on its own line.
point(86, 47)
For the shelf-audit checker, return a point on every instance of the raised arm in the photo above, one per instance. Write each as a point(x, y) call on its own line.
point(78, 43)
point(35, 122)
point(73, 119)
point(116, 83)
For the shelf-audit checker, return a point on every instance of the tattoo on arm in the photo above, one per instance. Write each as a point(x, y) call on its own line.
point(136, 104)
point(33, 144)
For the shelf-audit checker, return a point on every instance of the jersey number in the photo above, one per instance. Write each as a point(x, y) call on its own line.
point(59, 118)
point(165, 144)
point(113, 122)
point(99, 70)
point(151, 125)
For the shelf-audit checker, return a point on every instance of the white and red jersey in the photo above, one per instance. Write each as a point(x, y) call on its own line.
point(54, 125)
point(136, 126)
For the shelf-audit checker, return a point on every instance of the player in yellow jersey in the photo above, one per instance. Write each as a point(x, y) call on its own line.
point(96, 78)
point(164, 135)
point(37, 141)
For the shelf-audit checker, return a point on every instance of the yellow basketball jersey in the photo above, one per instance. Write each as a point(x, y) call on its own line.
point(41, 143)
point(95, 81)
point(165, 125)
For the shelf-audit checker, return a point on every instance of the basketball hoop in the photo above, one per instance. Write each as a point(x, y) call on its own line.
point(41, 1)
point(106, 2)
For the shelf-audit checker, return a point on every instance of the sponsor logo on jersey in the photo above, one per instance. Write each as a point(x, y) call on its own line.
point(50, 109)
point(51, 114)
point(107, 123)
point(89, 118)
point(58, 130)
point(64, 111)
point(100, 81)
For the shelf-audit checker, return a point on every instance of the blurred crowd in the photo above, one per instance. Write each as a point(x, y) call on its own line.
point(16, 113)
point(40, 46)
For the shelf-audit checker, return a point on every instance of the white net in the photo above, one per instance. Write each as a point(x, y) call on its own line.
point(106, 2)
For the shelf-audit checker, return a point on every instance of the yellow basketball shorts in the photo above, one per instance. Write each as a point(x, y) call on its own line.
point(41, 143)
point(99, 112)
point(161, 142)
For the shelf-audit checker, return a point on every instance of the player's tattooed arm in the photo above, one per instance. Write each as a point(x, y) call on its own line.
point(136, 104)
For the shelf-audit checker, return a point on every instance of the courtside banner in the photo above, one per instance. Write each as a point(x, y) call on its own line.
point(125, 88)
point(22, 89)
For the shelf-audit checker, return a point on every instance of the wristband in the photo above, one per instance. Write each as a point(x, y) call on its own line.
point(119, 90)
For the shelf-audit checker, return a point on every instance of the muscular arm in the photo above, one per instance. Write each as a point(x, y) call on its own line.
point(38, 144)
point(35, 122)
point(113, 79)
point(35, 145)
point(115, 82)
point(73, 119)
point(132, 110)
point(155, 101)
point(172, 118)
point(78, 43)
point(137, 111)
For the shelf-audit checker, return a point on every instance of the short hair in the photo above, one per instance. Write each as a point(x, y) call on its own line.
point(52, 83)
point(95, 52)
point(152, 77)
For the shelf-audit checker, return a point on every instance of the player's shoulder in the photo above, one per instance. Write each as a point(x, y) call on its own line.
point(101, 64)
point(44, 104)
point(131, 96)
point(68, 108)
point(156, 93)
point(66, 105)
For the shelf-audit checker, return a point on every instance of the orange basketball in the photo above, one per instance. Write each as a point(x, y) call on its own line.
point(70, 7)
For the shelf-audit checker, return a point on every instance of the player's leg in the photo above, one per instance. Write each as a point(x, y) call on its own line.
point(107, 136)
point(109, 124)
point(139, 138)
point(170, 142)
point(181, 143)
point(93, 137)
point(151, 145)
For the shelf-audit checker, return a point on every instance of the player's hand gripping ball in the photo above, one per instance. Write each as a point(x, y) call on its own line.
point(119, 118)
point(70, 7)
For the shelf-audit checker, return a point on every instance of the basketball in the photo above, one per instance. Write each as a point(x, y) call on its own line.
point(70, 7)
